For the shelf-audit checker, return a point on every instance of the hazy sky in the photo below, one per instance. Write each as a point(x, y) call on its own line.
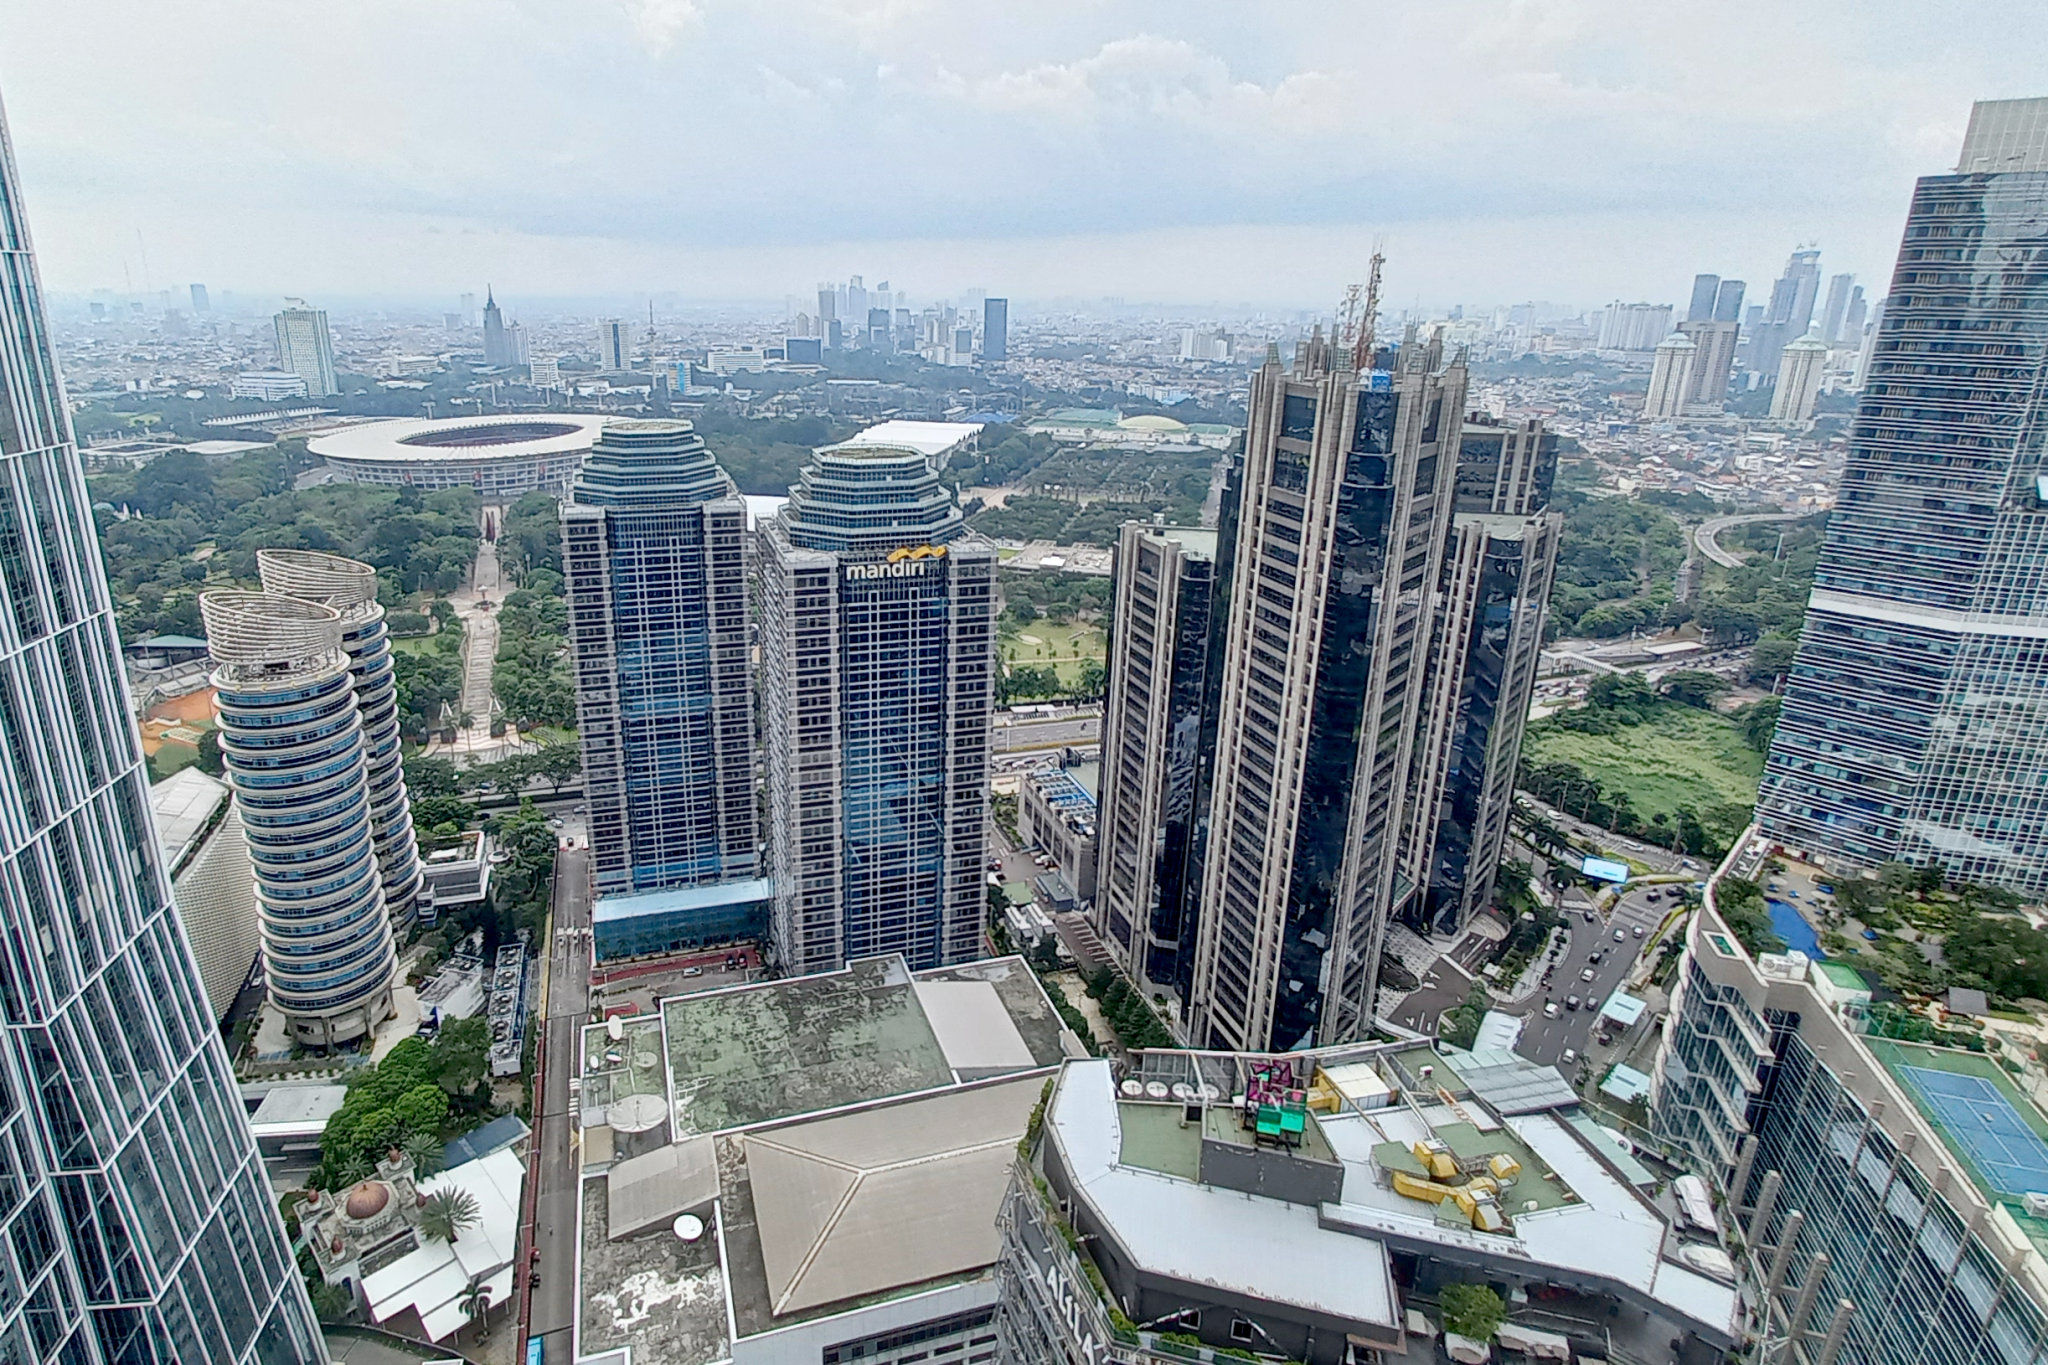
point(1572, 150)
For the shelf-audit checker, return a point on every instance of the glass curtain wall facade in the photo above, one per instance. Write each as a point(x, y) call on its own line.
point(1155, 732)
point(350, 587)
point(878, 640)
point(1917, 708)
point(135, 1220)
point(653, 550)
point(1341, 521)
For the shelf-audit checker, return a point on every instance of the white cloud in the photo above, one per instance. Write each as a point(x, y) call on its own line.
point(1587, 147)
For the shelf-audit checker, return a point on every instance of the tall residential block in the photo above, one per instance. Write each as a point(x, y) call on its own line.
point(305, 349)
point(995, 329)
point(1800, 371)
point(1492, 596)
point(1836, 309)
point(878, 655)
point(293, 742)
point(1888, 1189)
point(653, 548)
point(350, 587)
point(212, 880)
point(1713, 365)
point(1913, 726)
point(1670, 377)
point(1342, 515)
point(135, 1219)
point(1156, 734)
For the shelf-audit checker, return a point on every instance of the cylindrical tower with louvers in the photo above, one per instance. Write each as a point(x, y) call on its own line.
point(293, 743)
point(350, 587)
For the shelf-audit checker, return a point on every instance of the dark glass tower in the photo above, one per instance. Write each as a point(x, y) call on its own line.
point(653, 548)
point(1342, 515)
point(877, 647)
point(1155, 733)
point(135, 1220)
point(1916, 713)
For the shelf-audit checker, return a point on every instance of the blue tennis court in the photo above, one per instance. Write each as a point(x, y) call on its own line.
point(1978, 1116)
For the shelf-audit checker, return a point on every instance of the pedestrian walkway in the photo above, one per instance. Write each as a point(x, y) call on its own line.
point(477, 604)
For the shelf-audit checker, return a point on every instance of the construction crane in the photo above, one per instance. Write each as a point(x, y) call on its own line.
point(1368, 313)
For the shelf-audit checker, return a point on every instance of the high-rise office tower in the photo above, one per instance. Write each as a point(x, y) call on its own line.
point(292, 738)
point(1836, 308)
point(350, 587)
point(995, 329)
point(1156, 732)
point(828, 299)
point(200, 302)
point(1800, 371)
point(1853, 317)
point(878, 654)
point(1913, 725)
point(653, 547)
point(305, 349)
point(614, 345)
point(1704, 290)
point(1790, 312)
point(1342, 512)
point(856, 309)
point(1670, 377)
point(496, 350)
point(878, 335)
point(516, 348)
point(1491, 599)
point(139, 1224)
point(1728, 301)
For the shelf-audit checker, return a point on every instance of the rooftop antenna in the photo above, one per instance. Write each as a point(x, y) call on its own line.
point(1368, 313)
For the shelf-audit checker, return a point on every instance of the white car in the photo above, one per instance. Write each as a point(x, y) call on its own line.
point(1586, 975)
point(1550, 1010)
point(1619, 936)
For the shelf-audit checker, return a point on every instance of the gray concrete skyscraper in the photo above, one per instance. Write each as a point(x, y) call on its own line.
point(878, 656)
point(1704, 290)
point(305, 349)
point(1836, 309)
point(653, 547)
point(1914, 717)
point(1789, 313)
point(995, 329)
point(1342, 514)
point(135, 1220)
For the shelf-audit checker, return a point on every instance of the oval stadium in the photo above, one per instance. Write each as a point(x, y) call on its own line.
point(501, 456)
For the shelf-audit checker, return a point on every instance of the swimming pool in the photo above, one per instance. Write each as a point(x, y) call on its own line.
point(1787, 923)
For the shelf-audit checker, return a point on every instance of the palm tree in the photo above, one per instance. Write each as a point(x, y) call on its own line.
point(424, 1150)
point(446, 1213)
point(354, 1171)
point(476, 1304)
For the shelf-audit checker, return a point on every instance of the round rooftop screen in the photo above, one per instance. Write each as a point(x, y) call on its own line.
point(491, 434)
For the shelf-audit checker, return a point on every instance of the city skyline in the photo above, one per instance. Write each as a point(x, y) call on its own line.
point(1595, 151)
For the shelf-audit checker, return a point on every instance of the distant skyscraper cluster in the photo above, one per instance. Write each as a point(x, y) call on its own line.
point(881, 319)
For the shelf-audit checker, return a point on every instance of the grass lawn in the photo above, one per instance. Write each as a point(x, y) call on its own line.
point(1683, 757)
point(1064, 648)
point(425, 644)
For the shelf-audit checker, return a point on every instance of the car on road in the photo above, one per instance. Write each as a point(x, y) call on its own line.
point(1620, 936)
point(693, 971)
point(1586, 975)
point(1639, 931)
point(1550, 1010)
point(1595, 956)
point(1570, 1055)
point(1571, 1002)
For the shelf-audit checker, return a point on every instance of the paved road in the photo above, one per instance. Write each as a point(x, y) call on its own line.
point(1544, 1040)
point(1048, 734)
point(1704, 534)
point(555, 1164)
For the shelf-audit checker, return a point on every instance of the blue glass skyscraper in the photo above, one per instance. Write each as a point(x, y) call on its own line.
point(878, 651)
point(135, 1221)
point(1916, 713)
point(654, 553)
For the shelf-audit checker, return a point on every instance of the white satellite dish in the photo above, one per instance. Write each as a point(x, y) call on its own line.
point(689, 1227)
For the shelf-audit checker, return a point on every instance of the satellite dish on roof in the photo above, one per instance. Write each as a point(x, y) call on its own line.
point(613, 1029)
point(689, 1227)
point(1133, 1087)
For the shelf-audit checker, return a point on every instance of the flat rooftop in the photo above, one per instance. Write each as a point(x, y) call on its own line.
point(864, 1124)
